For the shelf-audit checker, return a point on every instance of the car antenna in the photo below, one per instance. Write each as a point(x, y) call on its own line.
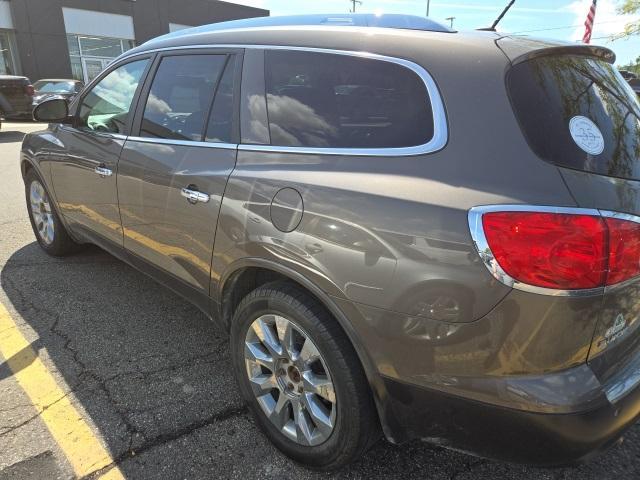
point(492, 28)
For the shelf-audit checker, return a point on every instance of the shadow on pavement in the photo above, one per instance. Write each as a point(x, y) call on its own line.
point(154, 377)
point(11, 136)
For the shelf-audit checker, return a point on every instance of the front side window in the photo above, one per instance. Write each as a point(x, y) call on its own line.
point(181, 96)
point(106, 107)
point(341, 101)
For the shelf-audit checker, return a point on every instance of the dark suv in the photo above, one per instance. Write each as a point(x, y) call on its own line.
point(16, 97)
point(390, 246)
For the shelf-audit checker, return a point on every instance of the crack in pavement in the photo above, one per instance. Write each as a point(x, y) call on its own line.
point(13, 428)
point(168, 437)
point(85, 371)
point(87, 377)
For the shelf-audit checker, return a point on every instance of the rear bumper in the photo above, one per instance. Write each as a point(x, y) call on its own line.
point(509, 434)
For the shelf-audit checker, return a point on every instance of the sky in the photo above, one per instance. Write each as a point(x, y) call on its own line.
point(559, 19)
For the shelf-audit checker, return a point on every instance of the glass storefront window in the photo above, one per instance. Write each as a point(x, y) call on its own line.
point(76, 68)
point(72, 43)
point(100, 47)
point(128, 45)
point(6, 60)
point(89, 55)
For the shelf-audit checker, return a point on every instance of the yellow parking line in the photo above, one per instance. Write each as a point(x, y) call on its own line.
point(72, 433)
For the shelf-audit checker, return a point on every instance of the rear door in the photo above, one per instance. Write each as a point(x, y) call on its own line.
point(174, 168)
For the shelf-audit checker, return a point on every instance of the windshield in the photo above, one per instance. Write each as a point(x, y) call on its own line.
point(44, 86)
point(578, 112)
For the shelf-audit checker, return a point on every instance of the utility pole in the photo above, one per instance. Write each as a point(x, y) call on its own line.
point(451, 19)
point(353, 10)
point(428, 4)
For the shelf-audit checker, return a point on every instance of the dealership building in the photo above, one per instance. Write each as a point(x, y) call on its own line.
point(78, 38)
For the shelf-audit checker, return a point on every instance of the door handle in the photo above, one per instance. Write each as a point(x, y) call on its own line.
point(194, 196)
point(103, 171)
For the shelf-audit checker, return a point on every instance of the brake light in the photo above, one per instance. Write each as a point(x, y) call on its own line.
point(563, 251)
point(29, 90)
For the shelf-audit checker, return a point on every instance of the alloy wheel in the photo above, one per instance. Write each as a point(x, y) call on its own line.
point(41, 212)
point(290, 379)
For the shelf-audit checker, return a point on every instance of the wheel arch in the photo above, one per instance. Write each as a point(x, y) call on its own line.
point(244, 275)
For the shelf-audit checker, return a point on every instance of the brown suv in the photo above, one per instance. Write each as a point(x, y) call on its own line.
point(390, 246)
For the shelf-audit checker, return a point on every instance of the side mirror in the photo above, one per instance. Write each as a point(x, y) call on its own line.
point(52, 110)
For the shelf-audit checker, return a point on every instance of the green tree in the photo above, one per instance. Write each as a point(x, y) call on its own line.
point(630, 7)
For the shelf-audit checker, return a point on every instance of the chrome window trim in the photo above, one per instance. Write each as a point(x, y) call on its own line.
point(111, 135)
point(481, 244)
point(185, 143)
point(440, 127)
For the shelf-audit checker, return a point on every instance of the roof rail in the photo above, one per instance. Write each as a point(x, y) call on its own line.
point(390, 20)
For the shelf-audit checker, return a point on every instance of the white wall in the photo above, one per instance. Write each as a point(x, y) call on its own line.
point(89, 22)
point(5, 14)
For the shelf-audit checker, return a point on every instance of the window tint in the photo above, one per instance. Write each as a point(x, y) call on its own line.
point(180, 96)
point(220, 126)
point(548, 92)
point(341, 101)
point(106, 107)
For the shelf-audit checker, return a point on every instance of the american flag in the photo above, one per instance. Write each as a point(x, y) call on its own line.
point(589, 23)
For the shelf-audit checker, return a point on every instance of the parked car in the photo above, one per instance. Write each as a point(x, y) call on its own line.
point(627, 75)
point(17, 97)
point(46, 88)
point(390, 247)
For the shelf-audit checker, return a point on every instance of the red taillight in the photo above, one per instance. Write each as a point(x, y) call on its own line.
point(547, 249)
point(28, 89)
point(624, 250)
point(563, 251)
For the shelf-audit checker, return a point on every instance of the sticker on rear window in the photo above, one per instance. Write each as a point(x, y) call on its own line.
point(587, 135)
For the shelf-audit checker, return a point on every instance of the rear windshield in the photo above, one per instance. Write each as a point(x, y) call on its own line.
point(578, 112)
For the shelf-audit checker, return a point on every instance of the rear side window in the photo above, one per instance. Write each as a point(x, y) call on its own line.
point(181, 95)
point(552, 96)
point(328, 100)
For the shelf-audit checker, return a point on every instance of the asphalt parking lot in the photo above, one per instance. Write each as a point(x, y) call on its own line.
point(151, 377)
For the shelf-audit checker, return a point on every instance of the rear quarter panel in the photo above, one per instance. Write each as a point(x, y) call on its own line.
point(411, 213)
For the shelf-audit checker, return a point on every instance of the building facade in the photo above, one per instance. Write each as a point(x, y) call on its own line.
point(78, 38)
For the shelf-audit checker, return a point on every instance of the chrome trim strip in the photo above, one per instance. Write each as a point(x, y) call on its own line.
point(482, 246)
point(440, 130)
point(114, 136)
point(185, 143)
point(620, 216)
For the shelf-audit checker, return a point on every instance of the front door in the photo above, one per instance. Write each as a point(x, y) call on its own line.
point(84, 178)
point(173, 173)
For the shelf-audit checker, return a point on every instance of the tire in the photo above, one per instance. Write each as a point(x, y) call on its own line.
point(355, 426)
point(45, 222)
